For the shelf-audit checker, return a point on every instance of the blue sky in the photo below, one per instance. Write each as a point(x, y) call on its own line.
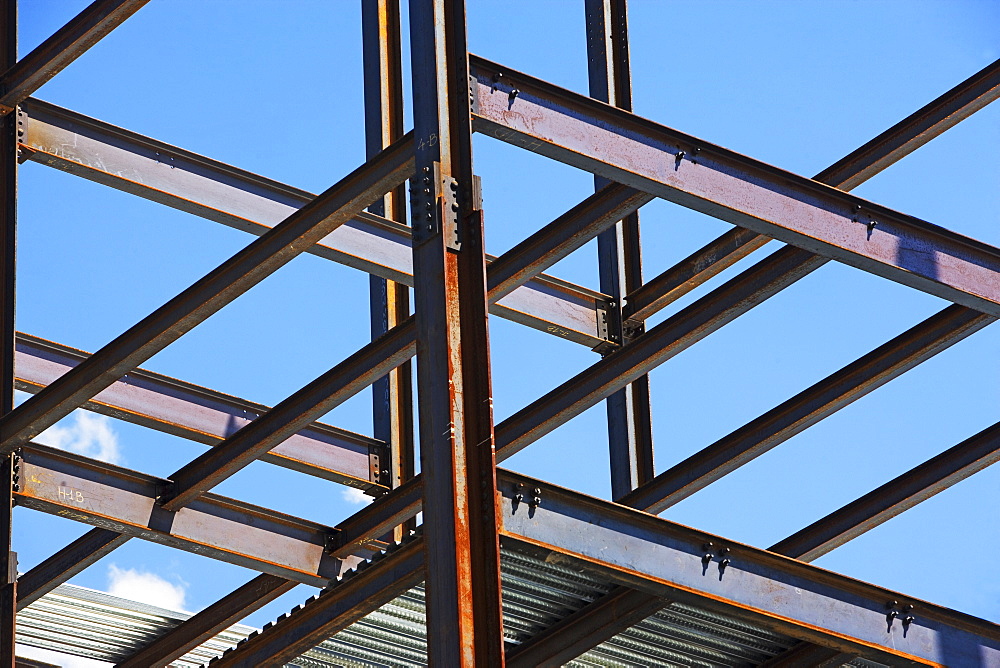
point(275, 88)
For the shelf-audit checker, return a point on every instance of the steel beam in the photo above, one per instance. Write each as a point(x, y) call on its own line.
point(805, 409)
point(392, 395)
point(462, 549)
point(213, 190)
point(900, 494)
point(630, 424)
point(20, 80)
point(113, 498)
point(666, 559)
point(8, 257)
point(683, 169)
point(209, 294)
point(808, 655)
point(360, 592)
point(83, 552)
point(561, 237)
point(217, 617)
point(576, 634)
point(846, 174)
point(199, 414)
point(290, 416)
point(659, 344)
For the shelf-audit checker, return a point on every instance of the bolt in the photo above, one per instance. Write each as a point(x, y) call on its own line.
point(497, 77)
point(680, 155)
point(513, 94)
point(724, 563)
point(909, 619)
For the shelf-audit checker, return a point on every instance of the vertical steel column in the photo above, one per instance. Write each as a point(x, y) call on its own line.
point(630, 428)
point(461, 511)
point(8, 219)
point(390, 301)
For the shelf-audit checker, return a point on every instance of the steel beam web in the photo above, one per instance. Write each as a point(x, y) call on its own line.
point(464, 620)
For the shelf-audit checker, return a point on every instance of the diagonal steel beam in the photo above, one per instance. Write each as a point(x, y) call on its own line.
point(659, 344)
point(291, 416)
point(337, 607)
point(183, 180)
point(62, 48)
point(217, 617)
point(209, 294)
point(83, 552)
point(846, 174)
point(561, 237)
point(822, 399)
point(899, 494)
point(683, 169)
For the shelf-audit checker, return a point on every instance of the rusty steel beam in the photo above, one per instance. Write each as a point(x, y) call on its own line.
point(392, 395)
point(846, 174)
point(360, 592)
point(619, 258)
point(217, 617)
point(8, 257)
point(365, 528)
point(667, 560)
point(683, 169)
point(130, 162)
point(111, 497)
point(83, 552)
point(209, 294)
point(805, 409)
point(461, 545)
point(199, 414)
point(900, 494)
point(290, 416)
point(83, 31)
point(659, 344)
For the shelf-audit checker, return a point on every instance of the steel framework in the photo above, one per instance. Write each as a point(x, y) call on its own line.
point(471, 508)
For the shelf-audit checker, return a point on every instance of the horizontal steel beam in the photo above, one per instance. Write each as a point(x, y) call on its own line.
point(217, 617)
point(123, 501)
point(683, 169)
point(360, 592)
point(900, 494)
point(199, 414)
point(209, 294)
point(62, 48)
point(846, 174)
point(822, 399)
point(651, 554)
point(210, 189)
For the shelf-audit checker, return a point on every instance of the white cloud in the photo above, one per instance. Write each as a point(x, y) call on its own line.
point(84, 433)
point(355, 496)
point(146, 587)
point(58, 658)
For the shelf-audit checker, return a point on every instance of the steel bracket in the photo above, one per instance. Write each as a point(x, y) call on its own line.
point(605, 314)
point(434, 202)
point(379, 468)
point(473, 94)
